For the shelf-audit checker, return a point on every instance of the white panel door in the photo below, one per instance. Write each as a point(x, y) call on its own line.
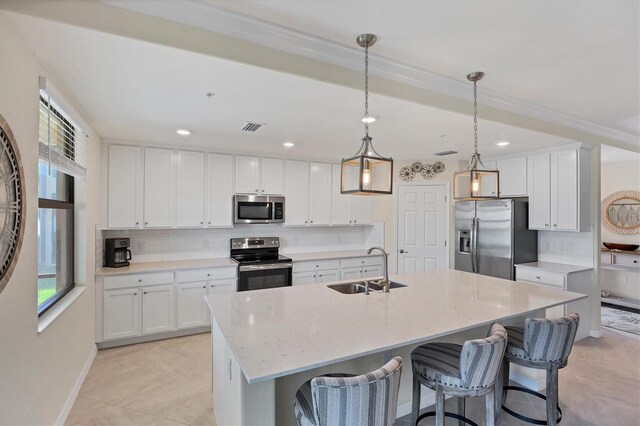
point(564, 190)
point(247, 175)
point(190, 189)
point(159, 189)
point(303, 278)
point(513, 177)
point(354, 273)
point(219, 190)
point(296, 192)
point(320, 193)
point(121, 313)
point(124, 193)
point(192, 309)
point(158, 309)
point(328, 276)
point(362, 209)
point(539, 184)
point(340, 203)
point(272, 173)
point(422, 228)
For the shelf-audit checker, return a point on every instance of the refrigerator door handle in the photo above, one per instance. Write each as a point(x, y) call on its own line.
point(473, 245)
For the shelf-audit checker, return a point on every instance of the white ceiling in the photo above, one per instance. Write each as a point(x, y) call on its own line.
point(581, 58)
point(137, 91)
point(610, 154)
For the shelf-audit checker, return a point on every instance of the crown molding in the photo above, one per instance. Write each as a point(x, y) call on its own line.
point(215, 19)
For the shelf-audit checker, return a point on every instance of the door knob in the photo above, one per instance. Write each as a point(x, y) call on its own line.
point(402, 251)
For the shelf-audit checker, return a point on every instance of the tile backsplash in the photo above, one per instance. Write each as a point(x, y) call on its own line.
point(150, 245)
point(575, 248)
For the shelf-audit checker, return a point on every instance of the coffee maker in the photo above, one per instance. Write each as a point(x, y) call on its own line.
point(116, 252)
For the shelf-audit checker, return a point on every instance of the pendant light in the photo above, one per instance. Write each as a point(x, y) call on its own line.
point(367, 172)
point(476, 181)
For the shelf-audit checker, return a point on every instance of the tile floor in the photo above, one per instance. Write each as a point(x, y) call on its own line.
point(168, 383)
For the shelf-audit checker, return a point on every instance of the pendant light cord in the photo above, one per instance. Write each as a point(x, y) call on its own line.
point(366, 89)
point(475, 116)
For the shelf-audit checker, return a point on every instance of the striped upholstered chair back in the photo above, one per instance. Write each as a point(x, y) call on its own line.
point(480, 359)
point(550, 340)
point(369, 399)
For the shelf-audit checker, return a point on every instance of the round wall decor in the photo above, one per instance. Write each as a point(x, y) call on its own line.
point(621, 212)
point(12, 203)
point(428, 171)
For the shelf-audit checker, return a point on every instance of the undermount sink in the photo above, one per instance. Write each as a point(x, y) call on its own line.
point(359, 287)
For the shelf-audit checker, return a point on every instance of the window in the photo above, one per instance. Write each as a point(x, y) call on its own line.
point(56, 269)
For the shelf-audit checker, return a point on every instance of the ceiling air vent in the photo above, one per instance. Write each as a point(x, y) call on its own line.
point(251, 126)
point(443, 153)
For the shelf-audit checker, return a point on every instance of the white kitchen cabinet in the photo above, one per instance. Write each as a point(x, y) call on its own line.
point(328, 276)
point(121, 314)
point(513, 177)
point(190, 182)
point(362, 210)
point(558, 184)
point(320, 193)
point(303, 278)
point(159, 188)
point(192, 309)
point(263, 176)
point(296, 192)
point(353, 273)
point(272, 176)
point(223, 286)
point(219, 190)
point(371, 272)
point(349, 209)
point(158, 309)
point(489, 186)
point(316, 276)
point(124, 187)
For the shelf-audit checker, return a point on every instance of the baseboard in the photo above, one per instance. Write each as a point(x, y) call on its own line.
point(152, 337)
point(75, 390)
point(596, 333)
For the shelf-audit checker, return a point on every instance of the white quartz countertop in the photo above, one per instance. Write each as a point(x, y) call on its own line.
point(169, 265)
point(562, 268)
point(327, 255)
point(282, 331)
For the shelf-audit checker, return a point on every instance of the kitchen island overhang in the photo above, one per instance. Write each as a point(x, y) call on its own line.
point(281, 333)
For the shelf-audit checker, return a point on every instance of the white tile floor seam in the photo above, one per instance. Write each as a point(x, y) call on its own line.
point(168, 383)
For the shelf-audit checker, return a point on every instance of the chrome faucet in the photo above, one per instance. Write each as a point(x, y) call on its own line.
point(385, 280)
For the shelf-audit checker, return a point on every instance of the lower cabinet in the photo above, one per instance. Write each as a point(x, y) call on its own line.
point(192, 310)
point(315, 277)
point(121, 313)
point(325, 271)
point(361, 272)
point(158, 309)
point(354, 273)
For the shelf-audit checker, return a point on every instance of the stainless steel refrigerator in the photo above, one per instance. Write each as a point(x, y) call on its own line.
point(493, 235)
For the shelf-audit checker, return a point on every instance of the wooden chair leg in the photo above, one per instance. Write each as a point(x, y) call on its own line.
point(491, 408)
point(552, 396)
point(499, 387)
point(439, 406)
point(461, 410)
point(415, 404)
point(505, 381)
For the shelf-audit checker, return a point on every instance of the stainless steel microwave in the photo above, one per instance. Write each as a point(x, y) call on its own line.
point(258, 209)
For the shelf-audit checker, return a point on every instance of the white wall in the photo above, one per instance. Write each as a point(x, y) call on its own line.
point(38, 371)
point(619, 176)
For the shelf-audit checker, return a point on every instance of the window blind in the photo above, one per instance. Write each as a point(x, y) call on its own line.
point(61, 142)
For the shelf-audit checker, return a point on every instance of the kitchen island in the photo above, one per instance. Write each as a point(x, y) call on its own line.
point(267, 343)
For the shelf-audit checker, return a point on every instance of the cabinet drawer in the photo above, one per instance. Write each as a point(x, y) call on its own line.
point(605, 258)
point(315, 265)
point(362, 261)
point(206, 274)
point(136, 280)
point(539, 276)
point(628, 260)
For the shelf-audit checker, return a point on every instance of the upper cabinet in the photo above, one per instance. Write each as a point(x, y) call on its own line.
point(349, 209)
point(190, 183)
point(296, 193)
point(124, 187)
point(219, 190)
point(263, 176)
point(159, 187)
point(559, 198)
point(513, 177)
point(320, 193)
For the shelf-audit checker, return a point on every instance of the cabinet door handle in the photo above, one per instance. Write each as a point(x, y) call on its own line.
point(635, 261)
point(355, 221)
point(257, 190)
point(204, 286)
point(144, 292)
point(305, 221)
point(140, 280)
point(555, 224)
point(137, 223)
point(537, 278)
point(209, 222)
point(146, 223)
point(350, 221)
point(135, 294)
point(311, 221)
point(262, 190)
point(201, 223)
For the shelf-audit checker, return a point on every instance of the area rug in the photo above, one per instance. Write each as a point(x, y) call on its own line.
point(621, 320)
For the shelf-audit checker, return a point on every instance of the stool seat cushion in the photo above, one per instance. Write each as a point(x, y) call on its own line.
point(438, 362)
point(515, 345)
point(303, 405)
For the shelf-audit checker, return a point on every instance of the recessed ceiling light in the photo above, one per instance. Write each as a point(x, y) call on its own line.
point(288, 144)
point(183, 132)
point(369, 119)
point(502, 143)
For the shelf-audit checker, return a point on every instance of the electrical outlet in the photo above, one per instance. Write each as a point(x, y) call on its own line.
point(623, 279)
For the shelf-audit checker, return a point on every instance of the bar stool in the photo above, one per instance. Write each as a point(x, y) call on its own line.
point(346, 399)
point(463, 371)
point(543, 344)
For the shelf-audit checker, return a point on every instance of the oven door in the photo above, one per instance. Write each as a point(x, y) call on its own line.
point(254, 211)
point(258, 277)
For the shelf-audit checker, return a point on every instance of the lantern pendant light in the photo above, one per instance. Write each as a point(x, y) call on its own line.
point(367, 172)
point(476, 181)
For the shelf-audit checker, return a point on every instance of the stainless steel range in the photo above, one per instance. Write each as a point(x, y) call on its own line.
point(260, 265)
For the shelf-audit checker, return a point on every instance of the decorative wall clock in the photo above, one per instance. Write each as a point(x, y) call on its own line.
point(12, 203)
